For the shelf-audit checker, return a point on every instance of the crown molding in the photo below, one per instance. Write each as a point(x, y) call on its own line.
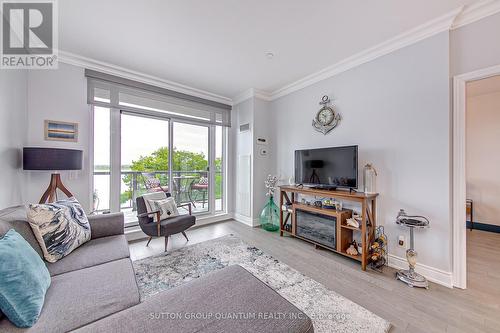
point(453, 20)
point(80, 61)
point(252, 92)
point(476, 12)
point(410, 37)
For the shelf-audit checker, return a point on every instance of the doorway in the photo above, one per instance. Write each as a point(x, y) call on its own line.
point(470, 171)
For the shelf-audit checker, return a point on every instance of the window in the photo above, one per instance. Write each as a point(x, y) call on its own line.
point(102, 159)
point(194, 173)
point(149, 139)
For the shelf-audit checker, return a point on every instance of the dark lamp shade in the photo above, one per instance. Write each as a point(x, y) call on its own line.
point(54, 159)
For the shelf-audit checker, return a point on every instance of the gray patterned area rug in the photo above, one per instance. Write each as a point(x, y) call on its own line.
point(329, 311)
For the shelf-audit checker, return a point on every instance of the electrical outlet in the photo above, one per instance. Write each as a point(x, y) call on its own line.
point(401, 241)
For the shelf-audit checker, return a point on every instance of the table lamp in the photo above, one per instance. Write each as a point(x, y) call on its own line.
point(52, 159)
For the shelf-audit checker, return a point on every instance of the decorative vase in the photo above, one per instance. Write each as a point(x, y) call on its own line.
point(269, 218)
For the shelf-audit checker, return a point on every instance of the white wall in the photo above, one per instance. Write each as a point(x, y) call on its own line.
point(396, 108)
point(475, 46)
point(482, 158)
point(13, 91)
point(249, 185)
point(242, 141)
point(263, 165)
point(59, 95)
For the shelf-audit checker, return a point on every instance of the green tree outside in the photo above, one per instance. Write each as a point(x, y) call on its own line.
point(182, 161)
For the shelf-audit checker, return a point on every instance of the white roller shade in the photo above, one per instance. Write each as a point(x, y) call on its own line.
point(128, 95)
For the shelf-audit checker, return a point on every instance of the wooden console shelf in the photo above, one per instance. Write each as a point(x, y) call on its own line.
point(344, 233)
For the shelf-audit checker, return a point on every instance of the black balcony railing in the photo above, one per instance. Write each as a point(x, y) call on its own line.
point(185, 187)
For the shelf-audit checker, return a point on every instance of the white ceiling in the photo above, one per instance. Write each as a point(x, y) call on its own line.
point(489, 85)
point(219, 45)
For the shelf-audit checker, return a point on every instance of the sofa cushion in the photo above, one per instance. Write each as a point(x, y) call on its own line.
point(59, 227)
point(80, 297)
point(24, 280)
point(103, 225)
point(229, 291)
point(95, 252)
point(15, 218)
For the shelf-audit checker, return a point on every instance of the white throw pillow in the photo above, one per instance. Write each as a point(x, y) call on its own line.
point(167, 208)
point(59, 227)
point(149, 197)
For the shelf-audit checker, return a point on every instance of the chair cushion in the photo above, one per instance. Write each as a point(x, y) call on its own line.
point(167, 208)
point(170, 226)
point(80, 297)
point(153, 196)
point(59, 227)
point(95, 252)
point(15, 218)
point(229, 291)
point(24, 280)
point(200, 187)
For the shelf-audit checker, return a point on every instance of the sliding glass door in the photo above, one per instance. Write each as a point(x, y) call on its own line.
point(190, 165)
point(144, 163)
point(137, 153)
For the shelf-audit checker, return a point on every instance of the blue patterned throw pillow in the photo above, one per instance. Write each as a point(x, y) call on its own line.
point(24, 280)
point(59, 227)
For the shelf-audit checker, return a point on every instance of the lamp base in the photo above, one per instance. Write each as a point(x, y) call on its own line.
point(50, 194)
point(412, 278)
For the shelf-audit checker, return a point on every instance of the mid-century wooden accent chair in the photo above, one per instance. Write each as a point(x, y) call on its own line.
point(166, 227)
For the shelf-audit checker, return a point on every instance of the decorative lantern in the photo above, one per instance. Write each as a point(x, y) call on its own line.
point(369, 179)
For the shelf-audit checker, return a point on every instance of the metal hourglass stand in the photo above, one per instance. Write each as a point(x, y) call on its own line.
point(409, 276)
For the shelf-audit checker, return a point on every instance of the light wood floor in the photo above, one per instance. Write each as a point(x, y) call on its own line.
point(438, 309)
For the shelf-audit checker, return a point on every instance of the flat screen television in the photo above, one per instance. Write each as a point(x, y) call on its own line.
point(335, 167)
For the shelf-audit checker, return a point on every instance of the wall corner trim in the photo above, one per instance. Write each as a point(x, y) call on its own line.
point(244, 219)
point(432, 274)
point(251, 93)
point(80, 61)
point(476, 12)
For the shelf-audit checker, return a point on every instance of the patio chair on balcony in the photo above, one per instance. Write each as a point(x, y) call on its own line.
point(200, 186)
point(152, 183)
point(162, 228)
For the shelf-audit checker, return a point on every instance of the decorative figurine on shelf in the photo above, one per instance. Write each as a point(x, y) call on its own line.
point(328, 204)
point(378, 250)
point(409, 276)
point(269, 218)
point(352, 249)
point(352, 222)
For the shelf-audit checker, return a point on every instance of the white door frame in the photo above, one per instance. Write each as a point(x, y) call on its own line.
point(459, 182)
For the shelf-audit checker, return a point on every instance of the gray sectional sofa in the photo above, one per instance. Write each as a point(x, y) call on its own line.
point(94, 290)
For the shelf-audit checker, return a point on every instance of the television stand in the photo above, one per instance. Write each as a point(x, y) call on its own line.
point(344, 232)
point(324, 188)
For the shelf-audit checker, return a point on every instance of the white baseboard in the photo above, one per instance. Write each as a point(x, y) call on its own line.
point(432, 274)
point(243, 219)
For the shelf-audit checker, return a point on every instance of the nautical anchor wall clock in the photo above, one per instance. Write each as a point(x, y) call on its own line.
point(327, 118)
